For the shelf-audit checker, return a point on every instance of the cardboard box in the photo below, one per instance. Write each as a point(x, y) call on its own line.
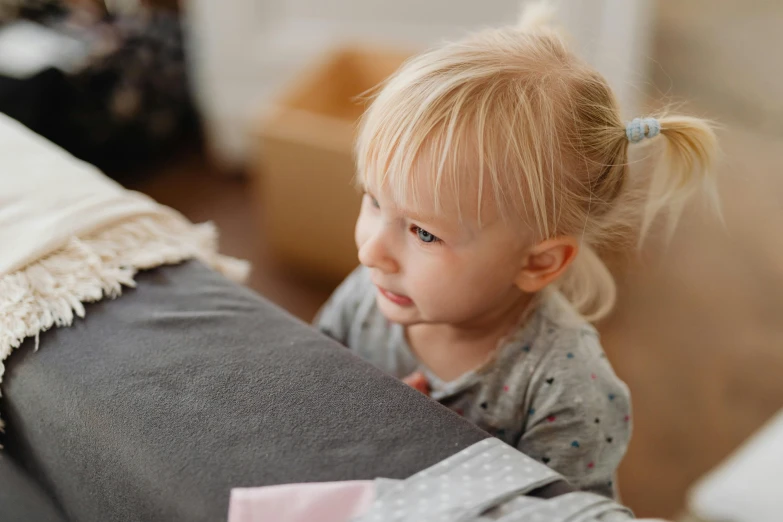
point(305, 169)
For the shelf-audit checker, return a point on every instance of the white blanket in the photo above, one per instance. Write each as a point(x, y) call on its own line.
point(69, 235)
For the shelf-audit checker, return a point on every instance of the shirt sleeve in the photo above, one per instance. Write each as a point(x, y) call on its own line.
point(579, 413)
point(336, 316)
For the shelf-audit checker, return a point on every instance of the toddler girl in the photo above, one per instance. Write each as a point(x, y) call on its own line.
point(493, 169)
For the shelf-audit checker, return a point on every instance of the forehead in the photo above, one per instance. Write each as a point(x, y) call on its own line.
point(427, 190)
point(462, 204)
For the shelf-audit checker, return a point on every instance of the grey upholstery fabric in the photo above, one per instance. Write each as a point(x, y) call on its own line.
point(21, 499)
point(159, 402)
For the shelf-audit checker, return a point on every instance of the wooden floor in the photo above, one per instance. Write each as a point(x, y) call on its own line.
point(697, 334)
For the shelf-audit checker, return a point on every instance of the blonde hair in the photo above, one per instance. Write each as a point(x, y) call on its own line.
point(512, 115)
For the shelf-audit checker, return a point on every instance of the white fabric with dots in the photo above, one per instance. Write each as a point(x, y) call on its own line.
point(488, 477)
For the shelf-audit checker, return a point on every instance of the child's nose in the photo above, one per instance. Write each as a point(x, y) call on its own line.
point(374, 253)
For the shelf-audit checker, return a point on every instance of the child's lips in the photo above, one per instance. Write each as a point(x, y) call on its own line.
point(399, 300)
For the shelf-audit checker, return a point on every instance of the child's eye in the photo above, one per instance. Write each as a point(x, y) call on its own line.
point(425, 236)
point(374, 202)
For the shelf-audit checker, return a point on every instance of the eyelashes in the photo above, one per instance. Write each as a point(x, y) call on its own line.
point(422, 235)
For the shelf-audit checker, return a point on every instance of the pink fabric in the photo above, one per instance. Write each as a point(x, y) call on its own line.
point(322, 501)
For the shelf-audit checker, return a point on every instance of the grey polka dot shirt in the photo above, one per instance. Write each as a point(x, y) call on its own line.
point(549, 391)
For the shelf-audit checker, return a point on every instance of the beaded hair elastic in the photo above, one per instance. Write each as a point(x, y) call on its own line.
point(640, 128)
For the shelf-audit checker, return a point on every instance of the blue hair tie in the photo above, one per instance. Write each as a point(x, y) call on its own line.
point(640, 128)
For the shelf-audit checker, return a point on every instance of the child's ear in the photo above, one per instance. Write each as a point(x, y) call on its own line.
point(545, 262)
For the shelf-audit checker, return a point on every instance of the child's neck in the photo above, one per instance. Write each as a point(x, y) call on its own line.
point(451, 350)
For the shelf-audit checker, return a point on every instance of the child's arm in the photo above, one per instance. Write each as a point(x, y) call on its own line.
point(578, 419)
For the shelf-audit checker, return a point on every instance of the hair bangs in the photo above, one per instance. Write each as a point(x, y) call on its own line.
point(430, 147)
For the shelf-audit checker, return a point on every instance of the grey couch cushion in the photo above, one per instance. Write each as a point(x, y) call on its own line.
point(21, 499)
point(159, 402)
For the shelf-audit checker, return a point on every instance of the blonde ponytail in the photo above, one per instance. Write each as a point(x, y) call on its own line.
point(683, 170)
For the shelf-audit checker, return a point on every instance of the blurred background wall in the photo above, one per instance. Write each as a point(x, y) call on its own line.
point(244, 51)
point(721, 55)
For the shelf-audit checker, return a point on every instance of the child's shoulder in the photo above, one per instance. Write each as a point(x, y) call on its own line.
point(564, 341)
point(558, 326)
point(565, 360)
